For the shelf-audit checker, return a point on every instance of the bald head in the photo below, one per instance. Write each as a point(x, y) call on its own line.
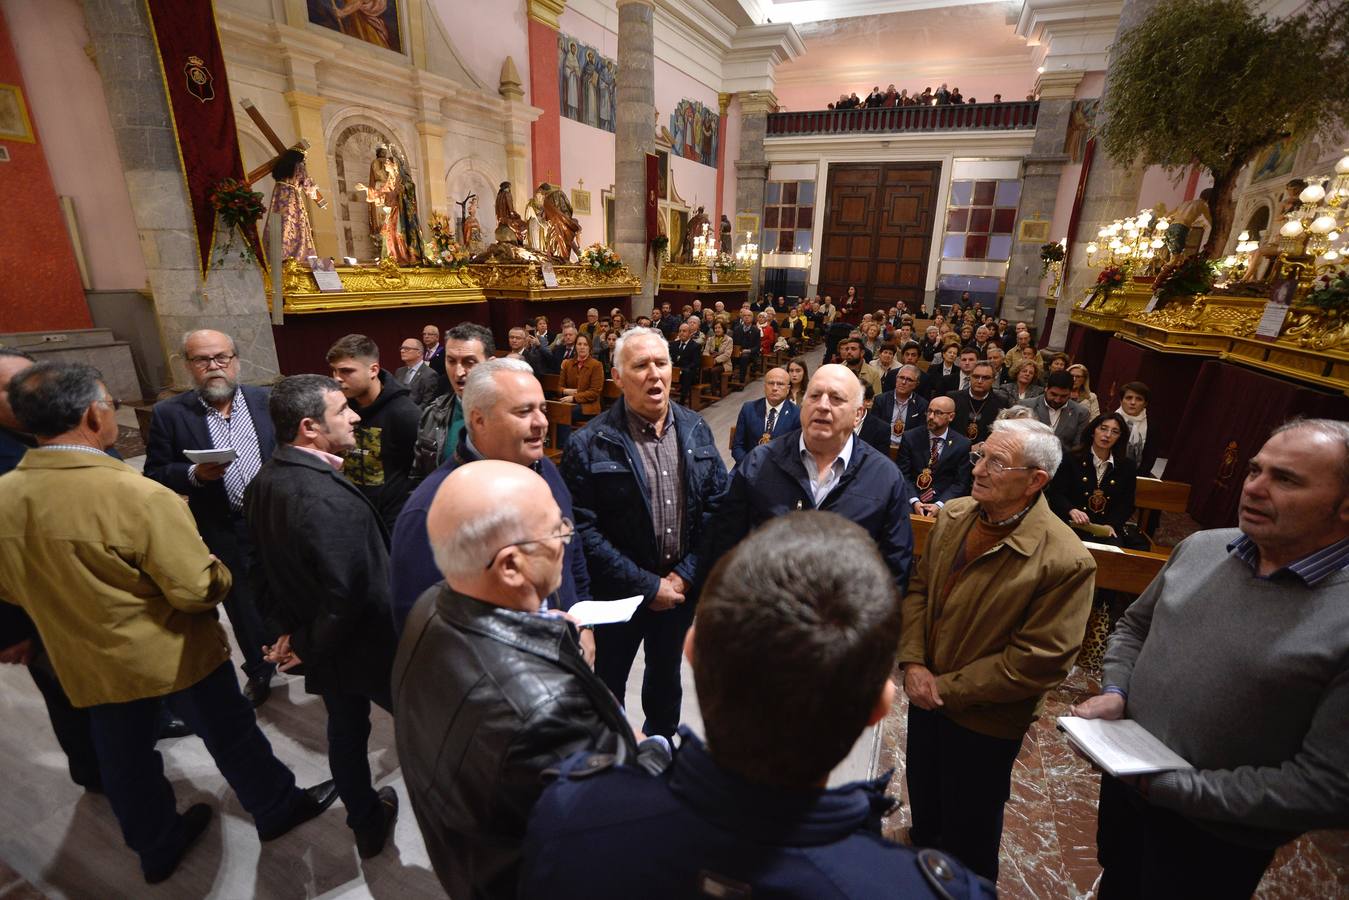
point(776, 383)
point(212, 361)
point(831, 409)
point(505, 553)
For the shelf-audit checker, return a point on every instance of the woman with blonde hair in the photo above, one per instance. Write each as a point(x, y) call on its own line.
point(1082, 389)
point(1025, 382)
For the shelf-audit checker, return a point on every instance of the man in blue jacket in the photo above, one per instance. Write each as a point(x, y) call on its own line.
point(646, 480)
point(505, 419)
point(764, 419)
point(824, 466)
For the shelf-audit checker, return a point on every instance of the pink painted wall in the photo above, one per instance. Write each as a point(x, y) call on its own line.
point(66, 103)
point(732, 154)
point(484, 33)
point(1092, 84)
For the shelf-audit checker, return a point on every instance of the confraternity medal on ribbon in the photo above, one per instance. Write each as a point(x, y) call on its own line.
point(899, 427)
point(924, 480)
point(972, 430)
point(766, 438)
point(199, 79)
point(1096, 502)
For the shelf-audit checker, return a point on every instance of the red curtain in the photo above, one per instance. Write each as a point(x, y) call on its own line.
point(1170, 376)
point(1086, 345)
point(1230, 413)
point(653, 204)
point(193, 68)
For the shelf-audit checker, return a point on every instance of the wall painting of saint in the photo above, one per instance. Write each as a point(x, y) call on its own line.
point(372, 21)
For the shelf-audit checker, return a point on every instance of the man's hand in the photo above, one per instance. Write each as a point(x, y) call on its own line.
point(587, 641)
point(668, 595)
point(1078, 517)
point(281, 654)
point(921, 686)
point(927, 509)
point(209, 471)
point(1103, 706)
point(17, 654)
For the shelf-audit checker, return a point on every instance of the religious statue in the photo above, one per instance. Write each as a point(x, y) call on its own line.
point(691, 231)
point(410, 222)
point(1270, 247)
point(725, 235)
point(1183, 219)
point(561, 231)
point(470, 231)
point(384, 194)
point(292, 186)
point(510, 227)
point(534, 227)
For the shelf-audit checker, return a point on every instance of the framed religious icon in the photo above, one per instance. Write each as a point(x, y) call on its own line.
point(1034, 230)
point(580, 202)
point(663, 166)
point(679, 223)
point(745, 222)
point(374, 23)
point(14, 122)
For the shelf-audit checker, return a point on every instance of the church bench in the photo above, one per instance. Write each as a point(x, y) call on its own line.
point(1152, 497)
point(559, 416)
point(552, 385)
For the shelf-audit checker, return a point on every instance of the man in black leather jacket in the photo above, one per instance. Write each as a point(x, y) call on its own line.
point(489, 688)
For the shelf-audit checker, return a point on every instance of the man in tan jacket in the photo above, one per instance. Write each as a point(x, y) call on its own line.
point(993, 619)
point(111, 569)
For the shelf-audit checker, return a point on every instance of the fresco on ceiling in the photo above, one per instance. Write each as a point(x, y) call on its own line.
point(585, 83)
point(693, 128)
point(372, 21)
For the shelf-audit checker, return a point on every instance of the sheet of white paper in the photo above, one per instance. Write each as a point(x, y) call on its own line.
point(1121, 746)
point(1271, 320)
point(605, 612)
point(1095, 546)
point(328, 281)
point(211, 456)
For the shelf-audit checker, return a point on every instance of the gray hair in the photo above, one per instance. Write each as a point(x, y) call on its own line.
point(187, 336)
point(1015, 412)
point(1040, 447)
point(627, 336)
point(481, 391)
point(469, 547)
point(50, 398)
point(911, 368)
point(1331, 428)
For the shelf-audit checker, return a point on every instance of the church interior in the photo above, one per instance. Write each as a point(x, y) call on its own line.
point(287, 172)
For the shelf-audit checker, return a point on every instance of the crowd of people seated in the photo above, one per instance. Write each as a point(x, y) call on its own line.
point(412, 540)
point(885, 99)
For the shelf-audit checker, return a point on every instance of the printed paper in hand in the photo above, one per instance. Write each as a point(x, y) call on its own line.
point(203, 457)
point(1121, 746)
point(605, 612)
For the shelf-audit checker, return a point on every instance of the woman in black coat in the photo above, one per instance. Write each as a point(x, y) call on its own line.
point(1096, 482)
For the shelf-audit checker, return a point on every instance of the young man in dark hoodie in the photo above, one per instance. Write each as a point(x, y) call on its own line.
point(381, 463)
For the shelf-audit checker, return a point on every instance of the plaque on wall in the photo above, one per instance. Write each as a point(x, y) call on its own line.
point(1034, 230)
point(746, 222)
point(549, 274)
point(580, 202)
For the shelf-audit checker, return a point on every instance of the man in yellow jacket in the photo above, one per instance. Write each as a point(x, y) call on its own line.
point(993, 619)
point(111, 569)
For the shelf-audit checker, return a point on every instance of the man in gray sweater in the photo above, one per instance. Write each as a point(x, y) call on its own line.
point(1237, 658)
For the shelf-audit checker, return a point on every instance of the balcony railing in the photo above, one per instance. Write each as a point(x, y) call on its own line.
point(960, 117)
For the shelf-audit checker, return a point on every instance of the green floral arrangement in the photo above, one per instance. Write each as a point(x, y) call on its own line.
point(1195, 275)
point(1110, 279)
point(601, 258)
point(1330, 292)
point(446, 251)
point(725, 264)
point(660, 246)
point(236, 203)
point(1049, 254)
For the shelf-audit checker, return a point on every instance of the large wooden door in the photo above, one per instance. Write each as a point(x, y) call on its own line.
point(878, 231)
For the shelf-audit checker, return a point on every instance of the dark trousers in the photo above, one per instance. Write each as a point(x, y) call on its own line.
point(1147, 851)
point(959, 781)
point(133, 771)
point(349, 754)
point(742, 364)
point(688, 380)
point(661, 634)
point(71, 725)
point(241, 604)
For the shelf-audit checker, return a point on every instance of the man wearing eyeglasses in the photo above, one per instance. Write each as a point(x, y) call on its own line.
point(901, 408)
point(489, 690)
point(992, 621)
point(415, 374)
point(219, 414)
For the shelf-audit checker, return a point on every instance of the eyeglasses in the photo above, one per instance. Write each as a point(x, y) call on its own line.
point(112, 402)
point(205, 362)
point(565, 535)
point(995, 467)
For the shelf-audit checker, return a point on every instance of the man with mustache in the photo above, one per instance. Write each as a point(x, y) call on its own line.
point(1237, 658)
point(220, 414)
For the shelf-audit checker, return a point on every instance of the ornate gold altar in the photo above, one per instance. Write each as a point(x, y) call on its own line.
point(1107, 311)
point(1205, 324)
point(699, 279)
point(525, 281)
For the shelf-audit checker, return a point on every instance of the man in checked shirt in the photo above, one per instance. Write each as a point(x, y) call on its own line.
point(220, 414)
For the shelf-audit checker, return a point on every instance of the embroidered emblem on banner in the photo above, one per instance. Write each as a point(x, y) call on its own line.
point(199, 79)
point(1229, 463)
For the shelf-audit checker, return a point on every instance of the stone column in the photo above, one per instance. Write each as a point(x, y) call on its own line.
point(1112, 193)
point(1040, 178)
point(751, 169)
point(636, 137)
point(431, 143)
point(306, 111)
point(232, 299)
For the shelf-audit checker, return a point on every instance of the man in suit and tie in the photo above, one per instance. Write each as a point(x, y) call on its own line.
point(870, 429)
point(219, 414)
point(901, 408)
point(762, 420)
point(565, 349)
point(433, 354)
point(686, 355)
point(415, 375)
point(935, 460)
point(1067, 417)
point(978, 405)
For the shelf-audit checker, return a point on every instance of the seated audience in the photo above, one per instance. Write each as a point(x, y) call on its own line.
point(747, 813)
point(996, 358)
point(850, 355)
point(523, 347)
point(798, 376)
point(1095, 482)
point(901, 408)
point(770, 416)
point(884, 365)
point(1082, 389)
point(582, 379)
point(1024, 383)
point(489, 692)
point(1133, 406)
point(719, 346)
point(686, 356)
point(1066, 417)
point(1058, 362)
point(943, 375)
point(978, 406)
point(872, 430)
point(935, 460)
point(745, 335)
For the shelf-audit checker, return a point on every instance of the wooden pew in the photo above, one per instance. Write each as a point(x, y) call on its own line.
point(610, 394)
point(1152, 497)
point(559, 415)
point(552, 385)
point(1128, 571)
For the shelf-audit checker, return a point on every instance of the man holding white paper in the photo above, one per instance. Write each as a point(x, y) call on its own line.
point(1237, 658)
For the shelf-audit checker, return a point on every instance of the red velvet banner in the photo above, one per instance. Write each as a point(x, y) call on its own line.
point(653, 203)
point(193, 68)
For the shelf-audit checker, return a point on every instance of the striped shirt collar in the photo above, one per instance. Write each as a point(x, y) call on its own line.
point(1311, 569)
point(78, 448)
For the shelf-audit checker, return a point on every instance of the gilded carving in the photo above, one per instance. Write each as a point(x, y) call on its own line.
point(1316, 329)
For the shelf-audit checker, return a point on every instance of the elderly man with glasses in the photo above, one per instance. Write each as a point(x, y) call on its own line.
point(489, 690)
point(992, 621)
point(219, 413)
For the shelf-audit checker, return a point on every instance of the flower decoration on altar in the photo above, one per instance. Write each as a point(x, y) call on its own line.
point(725, 263)
point(1194, 275)
point(1110, 279)
point(601, 258)
point(660, 246)
point(1330, 292)
point(240, 207)
point(1050, 253)
point(446, 251)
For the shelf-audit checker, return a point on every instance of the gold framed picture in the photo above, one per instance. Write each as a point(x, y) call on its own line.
point(580, 202)
point(1034, 231)
point(14, 122)
point(746, 222)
